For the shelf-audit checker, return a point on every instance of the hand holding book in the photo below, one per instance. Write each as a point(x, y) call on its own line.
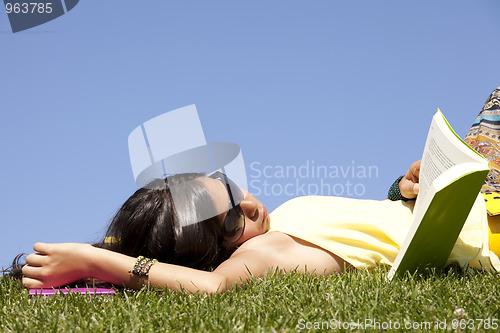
point(408, 186)
point(449, 179)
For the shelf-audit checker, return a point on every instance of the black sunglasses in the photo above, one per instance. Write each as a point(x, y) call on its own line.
point(234, 222)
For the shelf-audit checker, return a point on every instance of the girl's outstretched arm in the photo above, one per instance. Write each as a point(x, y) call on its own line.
point(58, 264)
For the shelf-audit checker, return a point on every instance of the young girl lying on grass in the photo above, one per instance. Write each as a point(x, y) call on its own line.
point(315, 234)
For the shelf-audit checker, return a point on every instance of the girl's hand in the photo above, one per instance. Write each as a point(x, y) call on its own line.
point(54, 265)
point(408, 186)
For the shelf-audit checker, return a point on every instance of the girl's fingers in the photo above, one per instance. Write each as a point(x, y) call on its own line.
point(32, 272)
point(41, 247)
point(35, 259)
point(416, 188)
point(32, 283)
point(407, 188)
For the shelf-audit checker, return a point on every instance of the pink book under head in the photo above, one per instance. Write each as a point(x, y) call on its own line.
point(82, 291)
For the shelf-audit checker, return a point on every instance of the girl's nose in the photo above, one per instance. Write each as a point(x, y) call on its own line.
point(249, 205)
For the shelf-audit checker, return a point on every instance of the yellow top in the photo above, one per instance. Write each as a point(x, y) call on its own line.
point(366, 233)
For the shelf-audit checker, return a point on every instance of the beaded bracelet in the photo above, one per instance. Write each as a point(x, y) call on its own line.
point(136, 270)
point(394, 192)
point(142, 266)
point(150, 263)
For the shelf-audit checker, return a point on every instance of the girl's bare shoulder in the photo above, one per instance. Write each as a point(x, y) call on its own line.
point(287, 252)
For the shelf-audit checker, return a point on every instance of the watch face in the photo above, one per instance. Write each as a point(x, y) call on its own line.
point(26, 14)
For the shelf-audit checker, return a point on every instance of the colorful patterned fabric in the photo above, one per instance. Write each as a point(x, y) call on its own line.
point(484, 137)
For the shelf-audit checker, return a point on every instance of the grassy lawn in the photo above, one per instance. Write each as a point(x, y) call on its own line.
point(279, 302)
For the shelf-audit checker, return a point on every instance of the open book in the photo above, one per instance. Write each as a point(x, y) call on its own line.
point(451, 175)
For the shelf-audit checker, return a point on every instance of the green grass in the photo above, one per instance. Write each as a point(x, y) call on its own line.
point(279, 302)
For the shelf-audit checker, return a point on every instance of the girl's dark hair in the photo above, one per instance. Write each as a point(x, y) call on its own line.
point(148, 224)
point(15, 271)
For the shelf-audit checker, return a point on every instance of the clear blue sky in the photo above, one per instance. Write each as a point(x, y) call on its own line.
point(337, 84)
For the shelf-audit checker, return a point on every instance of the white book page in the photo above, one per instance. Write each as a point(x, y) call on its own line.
point(442, 151)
